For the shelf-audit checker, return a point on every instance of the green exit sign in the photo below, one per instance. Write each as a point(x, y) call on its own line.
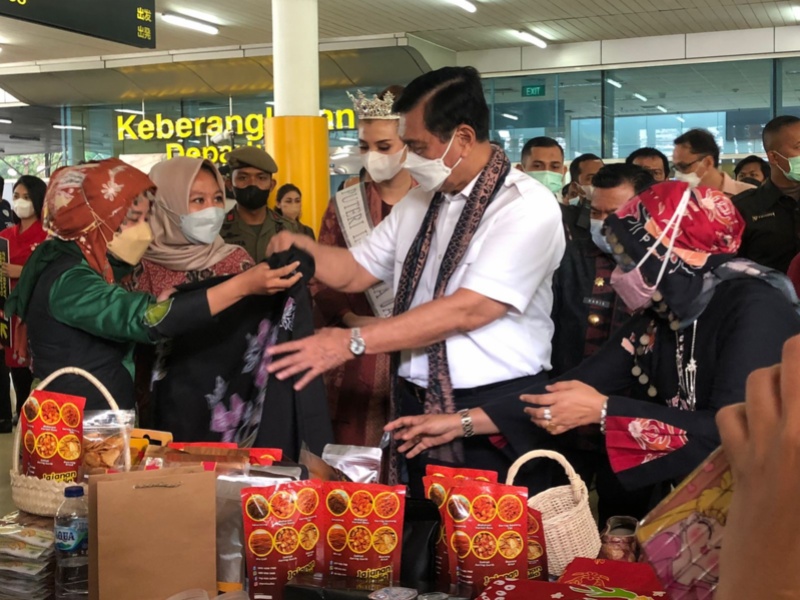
point(532, 91)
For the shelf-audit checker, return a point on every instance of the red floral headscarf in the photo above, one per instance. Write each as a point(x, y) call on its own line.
point(87, 204)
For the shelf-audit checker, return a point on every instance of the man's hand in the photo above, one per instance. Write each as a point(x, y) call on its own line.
point(314, 355)
point(761, 439)
point(285, 240)
point(421, 432)
point(12, 271)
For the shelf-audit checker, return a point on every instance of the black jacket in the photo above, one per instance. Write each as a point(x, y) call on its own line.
point(772, 223)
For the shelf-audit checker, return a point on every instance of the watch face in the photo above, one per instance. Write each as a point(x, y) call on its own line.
point(357, 346)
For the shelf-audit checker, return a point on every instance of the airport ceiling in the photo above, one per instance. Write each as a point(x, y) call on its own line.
point(493, 25)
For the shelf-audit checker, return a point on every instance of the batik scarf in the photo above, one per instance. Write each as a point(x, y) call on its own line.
point(705, 246)
point(439, 397)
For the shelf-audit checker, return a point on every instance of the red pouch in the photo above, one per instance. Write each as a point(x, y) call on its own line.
point(281, 535)
point(638, 577)
point(437, 490)
point(537, 548)
point(490, 525)
point(363, 529)
point(459, 473)
point(52, 436)
point(265, 457)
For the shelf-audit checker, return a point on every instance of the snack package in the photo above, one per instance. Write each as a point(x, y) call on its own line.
point(459, 473)
point(106, 438)
point(317, 468)
point(52, 430)
point(437, 490)
point(203, 445)
point(487, 532)
point(681, 537)
point(153, 437)
point(265, 457)
point(638, 577)
point(281, 532)
point(537, 547)
point(361, 464)
point(363, 529)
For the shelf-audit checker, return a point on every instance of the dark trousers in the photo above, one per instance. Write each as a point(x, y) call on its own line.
point(23, 380)
point(479, 451)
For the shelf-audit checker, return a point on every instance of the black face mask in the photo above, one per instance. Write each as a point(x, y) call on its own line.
point(252, 197)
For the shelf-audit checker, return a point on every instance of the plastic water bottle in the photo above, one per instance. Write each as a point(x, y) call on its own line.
point(72, 546)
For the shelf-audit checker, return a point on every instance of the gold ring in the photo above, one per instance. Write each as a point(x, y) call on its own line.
point(550, 426)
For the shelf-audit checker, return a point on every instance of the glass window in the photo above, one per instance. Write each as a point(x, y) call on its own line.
point(789, 87)
point(654, 105)
point(562, 106)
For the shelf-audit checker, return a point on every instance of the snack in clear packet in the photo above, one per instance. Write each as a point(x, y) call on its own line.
point(106, 439)
point(52, 430)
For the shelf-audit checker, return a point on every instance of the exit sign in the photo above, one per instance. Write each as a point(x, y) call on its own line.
point(532, 91)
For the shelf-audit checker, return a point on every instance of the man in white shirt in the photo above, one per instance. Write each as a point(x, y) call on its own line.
point(471, 254)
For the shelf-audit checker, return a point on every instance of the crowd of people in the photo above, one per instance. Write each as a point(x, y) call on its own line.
point(607, 311)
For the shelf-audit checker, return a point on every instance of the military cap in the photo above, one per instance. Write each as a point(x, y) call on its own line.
point(251, 156)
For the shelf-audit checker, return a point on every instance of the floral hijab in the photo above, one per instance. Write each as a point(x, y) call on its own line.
point(87, 203)
point(705, 245)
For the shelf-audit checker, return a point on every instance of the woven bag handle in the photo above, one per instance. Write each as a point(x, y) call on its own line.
point(44, 383)
point(575, 480)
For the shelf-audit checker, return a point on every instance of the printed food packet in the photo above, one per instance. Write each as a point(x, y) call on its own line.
point(437, 490)
point(459, 473)
point(361, 464)
point(537, 548)
point(265, 457)
point(230, 527)
point(106, 439)
point(487, 533)
point(281, 534)
point(27, 528)
point(52, 430)
point(363, 529)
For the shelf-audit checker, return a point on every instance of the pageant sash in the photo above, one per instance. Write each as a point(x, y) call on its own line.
point(356, 223)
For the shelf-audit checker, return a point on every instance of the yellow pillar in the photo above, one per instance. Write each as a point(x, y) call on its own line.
point(300, 147)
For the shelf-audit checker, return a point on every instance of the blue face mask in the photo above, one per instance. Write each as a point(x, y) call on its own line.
point(597, 236)
point(202, 227)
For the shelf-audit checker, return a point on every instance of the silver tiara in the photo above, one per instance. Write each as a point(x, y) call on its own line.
point(375, 108)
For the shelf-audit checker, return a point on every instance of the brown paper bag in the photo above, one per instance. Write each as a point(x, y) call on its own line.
point(152, 534)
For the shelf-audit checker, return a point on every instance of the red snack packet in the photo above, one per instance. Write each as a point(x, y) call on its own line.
point(437, 490)
point(52, 436)
point(219, 445)
point(638, 577)
point(281, 534)
point(537, 547)
point(459, 473)
point(489, 524)
point(265, 457)
point(363, 529)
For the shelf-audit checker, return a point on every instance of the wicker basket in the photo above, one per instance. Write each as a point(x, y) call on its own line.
point(569, 527)
point(38, 496)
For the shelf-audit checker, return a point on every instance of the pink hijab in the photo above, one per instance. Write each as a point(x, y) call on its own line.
point(170, 248)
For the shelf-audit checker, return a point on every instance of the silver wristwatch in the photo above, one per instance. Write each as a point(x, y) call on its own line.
point(466, 423)
point(357, 344)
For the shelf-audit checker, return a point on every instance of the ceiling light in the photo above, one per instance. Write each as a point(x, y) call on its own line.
point(661, 108)
point(640, 97)
point(129, 111)
point(614, 82)
point(796, 10)
point(188, 23)
point(347, 139)
point(681, 119)
point(339, 155)
point(6, 121)
point(531, 39)
point(510, 116)
point(70, 127)
point(465, 4)
point(270, 102)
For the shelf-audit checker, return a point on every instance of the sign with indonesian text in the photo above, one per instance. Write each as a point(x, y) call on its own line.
point(131, 22)
point(241, 130)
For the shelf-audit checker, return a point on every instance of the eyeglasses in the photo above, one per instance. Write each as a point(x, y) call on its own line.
point(683, 167)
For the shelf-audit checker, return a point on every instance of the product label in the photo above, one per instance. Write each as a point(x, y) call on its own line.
point(74, 538)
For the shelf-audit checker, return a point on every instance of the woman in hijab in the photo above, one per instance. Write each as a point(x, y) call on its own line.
point(704, 321)
point(22, 239)
point(76, 313)
point(358, 391)
point(186, 220)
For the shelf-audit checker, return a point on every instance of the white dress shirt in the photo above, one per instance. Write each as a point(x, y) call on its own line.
point(511, 259)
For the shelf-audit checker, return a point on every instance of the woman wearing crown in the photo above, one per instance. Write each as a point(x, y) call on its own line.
point(358, 391)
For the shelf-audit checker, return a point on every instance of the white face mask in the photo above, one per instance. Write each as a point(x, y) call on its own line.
point(430, 173)
point(588, 190)
point(24, 208)
point(202, 227)
point(693, 179)
point(383, 167)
